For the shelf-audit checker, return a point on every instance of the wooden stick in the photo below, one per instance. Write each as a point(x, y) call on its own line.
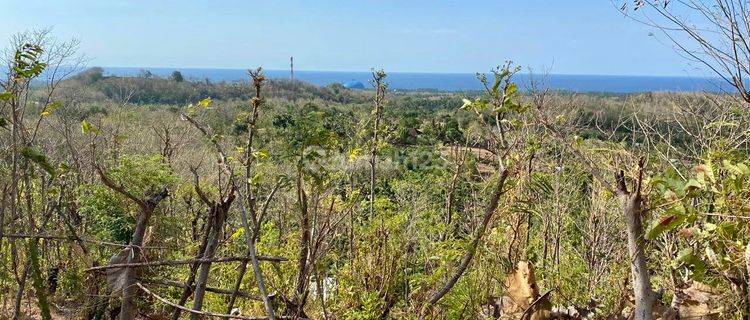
point(181, 262)
point(69, 238)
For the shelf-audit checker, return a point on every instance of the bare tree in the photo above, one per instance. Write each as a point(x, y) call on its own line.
point(217, 216)
point(631, 199)
point(712, 33)
point(27, 58)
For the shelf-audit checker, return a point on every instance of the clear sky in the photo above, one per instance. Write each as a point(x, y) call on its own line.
point(573, 36)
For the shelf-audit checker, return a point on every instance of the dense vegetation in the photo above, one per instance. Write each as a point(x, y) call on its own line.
point(130, 197)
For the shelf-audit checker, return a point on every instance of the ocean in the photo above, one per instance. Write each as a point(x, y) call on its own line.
point(456, 81)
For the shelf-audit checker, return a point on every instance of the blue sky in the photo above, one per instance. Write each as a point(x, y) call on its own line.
point(570, 37)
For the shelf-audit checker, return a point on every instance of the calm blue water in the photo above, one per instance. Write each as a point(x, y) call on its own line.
point(456, 81)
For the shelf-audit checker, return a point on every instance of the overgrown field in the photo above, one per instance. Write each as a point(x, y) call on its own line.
point(127, 197)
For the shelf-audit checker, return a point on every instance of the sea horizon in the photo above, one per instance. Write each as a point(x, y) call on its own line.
point(453, 82)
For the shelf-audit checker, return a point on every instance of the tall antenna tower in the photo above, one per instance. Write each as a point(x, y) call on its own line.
point(291, 66)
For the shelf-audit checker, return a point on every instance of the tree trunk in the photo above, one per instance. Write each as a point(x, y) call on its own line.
point(631, 204)
point(127, 309)
point(304, 250)
point(146, 208)
point(38, 280)
point(644, 295)
point(219, 215)
point(187, 291)
point(489, 212)
point(19, 294)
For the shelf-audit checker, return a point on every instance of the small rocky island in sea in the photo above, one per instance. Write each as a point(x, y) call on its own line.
point(353, 84)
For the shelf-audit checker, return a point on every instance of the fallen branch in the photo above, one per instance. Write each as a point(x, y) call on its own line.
point(181, 262)
point(178, 284)
point(69, 238)
point(204, 313)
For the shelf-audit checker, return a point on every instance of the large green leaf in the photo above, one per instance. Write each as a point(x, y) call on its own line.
point(665, 224)
point(687, 257)
point(39, 159)
point(693, 185)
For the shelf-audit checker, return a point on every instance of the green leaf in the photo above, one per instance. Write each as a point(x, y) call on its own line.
point(577, 140)
point(480, 105)
point(665, 224)
point(709, 226)
point(728, 229)
point(5, 96)
point(496, 84)
point(511, 90)
point(39, 158)
point(692, 185)
point(191, 110)
point(26, 63)
point(3, 122)
point(120, 138)
point(719, 124)
point(238, 233)
point(88, 128)
point(50, 108)
point(687, 257)
point(739, 169)
point(354, 153)
point(684, 255)
point(260, 155)
point(255, 179)
point(64, 167)
point(205, 103)
point(743, 168)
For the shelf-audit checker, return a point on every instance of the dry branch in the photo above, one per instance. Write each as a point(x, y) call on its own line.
point(181, 262)
point(204, 313)
point(70, 238)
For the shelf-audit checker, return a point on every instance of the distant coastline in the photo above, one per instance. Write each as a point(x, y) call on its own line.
point(454, 81)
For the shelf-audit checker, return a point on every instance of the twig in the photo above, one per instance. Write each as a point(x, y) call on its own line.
point(181, 262)
point(70, 238)
point(726, 215)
